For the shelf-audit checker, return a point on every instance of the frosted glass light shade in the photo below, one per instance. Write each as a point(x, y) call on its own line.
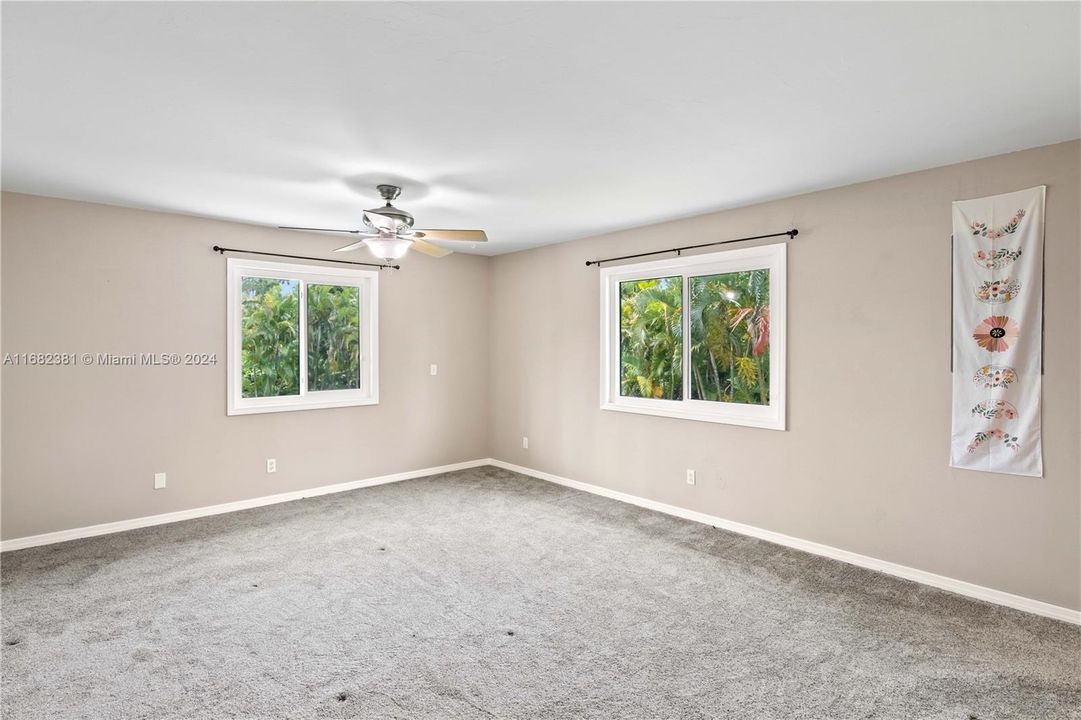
point(388, 248)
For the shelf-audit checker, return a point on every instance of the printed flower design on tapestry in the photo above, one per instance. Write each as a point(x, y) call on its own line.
point(996, 328)
point(997, 259)
point(995, 376)
point(995, 333)
point(998, 291)
point(995, 410)
point(980, 438)
point(980, 229)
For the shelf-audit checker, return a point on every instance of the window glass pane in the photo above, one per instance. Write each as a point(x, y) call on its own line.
point(270, 346)
point(730, 337)
point(651, 338)
point(333, 337)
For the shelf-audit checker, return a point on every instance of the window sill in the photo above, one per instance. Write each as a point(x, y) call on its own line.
point(291, 407)
point(765, 420)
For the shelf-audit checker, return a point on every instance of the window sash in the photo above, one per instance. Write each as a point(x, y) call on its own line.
point(307, 318)
point(619, 334)
point(765, 257)
point(366, 281)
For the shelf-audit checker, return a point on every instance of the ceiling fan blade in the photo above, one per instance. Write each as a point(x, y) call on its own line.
point(351, 246)
point(386, 223)
point(290, 227)
point(428, 249)
point(462, 235)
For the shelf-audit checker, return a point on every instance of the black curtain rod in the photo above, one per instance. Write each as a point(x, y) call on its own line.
point(223, 250)
point(677, 250)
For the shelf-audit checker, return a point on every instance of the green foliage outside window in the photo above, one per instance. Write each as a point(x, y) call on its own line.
point(729, 337)
point(270, 344)
point(651, 338)
point(333, 337)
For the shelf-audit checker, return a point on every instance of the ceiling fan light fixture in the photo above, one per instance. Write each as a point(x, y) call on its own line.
point(388, 247)
point(388, 232)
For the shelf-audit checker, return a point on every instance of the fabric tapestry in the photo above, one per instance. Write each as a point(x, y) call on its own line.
point(997, 333)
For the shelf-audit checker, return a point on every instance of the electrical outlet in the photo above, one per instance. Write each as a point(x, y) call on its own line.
point(525, 443)
point(159, 481)
point(690, 477)
point(271, 465)
point(434, 369)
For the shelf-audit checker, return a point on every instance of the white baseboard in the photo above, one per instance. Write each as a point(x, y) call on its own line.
point(122, 525)
point(942, 582)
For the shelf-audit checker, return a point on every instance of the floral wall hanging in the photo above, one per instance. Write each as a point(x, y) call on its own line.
point(997, 333)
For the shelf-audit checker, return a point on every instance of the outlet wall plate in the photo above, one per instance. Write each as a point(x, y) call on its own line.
point(271, 465)
point(159, 481)
point(690, 477)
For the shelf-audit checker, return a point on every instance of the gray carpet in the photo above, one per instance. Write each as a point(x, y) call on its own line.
point(485, 594)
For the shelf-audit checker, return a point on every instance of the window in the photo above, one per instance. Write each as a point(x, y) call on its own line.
point(301, 337)
point(699, 337)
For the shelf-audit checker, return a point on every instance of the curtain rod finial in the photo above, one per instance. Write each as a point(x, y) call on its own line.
point(792, 233)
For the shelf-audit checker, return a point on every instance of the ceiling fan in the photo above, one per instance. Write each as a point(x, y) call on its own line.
point(389, 231)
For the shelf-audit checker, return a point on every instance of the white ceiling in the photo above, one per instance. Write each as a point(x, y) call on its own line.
point(536, 122)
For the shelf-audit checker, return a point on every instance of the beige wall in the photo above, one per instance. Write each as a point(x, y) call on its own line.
point(863, 464)
point(81, 444)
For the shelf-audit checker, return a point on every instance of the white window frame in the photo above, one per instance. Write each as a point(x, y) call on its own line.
point(765, 257)
point(367, 281)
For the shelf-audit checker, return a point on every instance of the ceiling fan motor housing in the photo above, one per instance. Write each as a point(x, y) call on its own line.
point(389, 192)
